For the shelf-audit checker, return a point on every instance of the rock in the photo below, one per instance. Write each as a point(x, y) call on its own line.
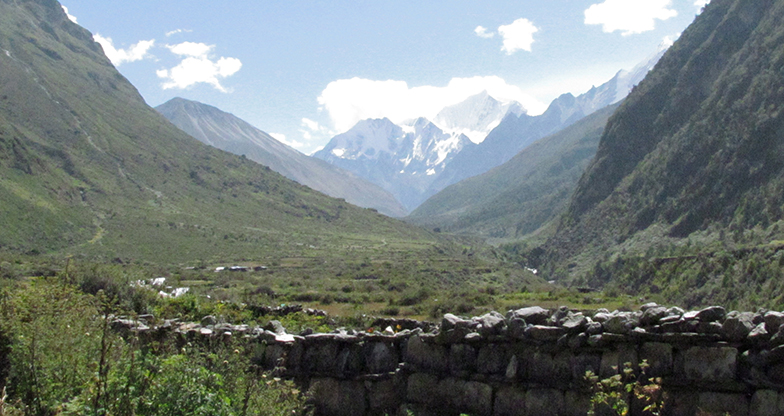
point(543, 333)
point(492, 359)
point(423, 388)
point(427, 356)
point(491, 323)
point(276, 327)
point(712, 314)
point(773, 321)
point(778, 338)
point(759, 333)
point(509, 401)
point(601, 317)
point(543, 402)
point(516, 328)
point(462, 359)
point(675, 311)
point(710, 363)
point(334, 397)
point(477, 398)
point(593, 328)
point(574, 322)
point(713, 403)
point(533, 315)
point(652, 315)
point(384, 396)
point(559, 315)
point(208, 320)
point(658, 355)
point(766, 403)
point(620, 323)
point(737, 326)
point(450, 321)
point(380, 357)
point(512, 368)
point(649, 305)
point(690, 315)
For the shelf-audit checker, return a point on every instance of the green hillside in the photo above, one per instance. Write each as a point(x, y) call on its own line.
point(88, 168)
point(689, 167)
point(520, 196)
point(227, 132)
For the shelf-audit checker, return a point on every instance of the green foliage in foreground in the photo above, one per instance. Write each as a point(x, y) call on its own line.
point(616, 395)
point(58, 355)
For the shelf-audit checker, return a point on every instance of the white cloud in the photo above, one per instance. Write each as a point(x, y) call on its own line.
point(310, 124)
point(70, 16)
point(176, 31)
point(197, 67)
point(629, 16)
point(191, 49)
point(348, 101)
point(136, 52)
point(519, 35)
point(483, 33)
point(291, 143)
point(701, 3)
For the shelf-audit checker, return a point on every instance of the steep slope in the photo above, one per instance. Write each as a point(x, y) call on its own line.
point(404, 160)
point(227, 132)
point(517, 131)
point(88, 168)
point(693, 154)
point(523, 194)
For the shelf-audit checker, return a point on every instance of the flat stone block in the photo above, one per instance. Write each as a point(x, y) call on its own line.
point(659, 358)
point(510, 401)
point(423, 388)
point(338, 398)
point(766, 403)
point(723, 403)
point(426, 356)
point(710, 363)
point(544, 402)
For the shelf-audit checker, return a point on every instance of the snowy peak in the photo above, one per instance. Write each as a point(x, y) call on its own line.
point(367, 139)
point(476, 116)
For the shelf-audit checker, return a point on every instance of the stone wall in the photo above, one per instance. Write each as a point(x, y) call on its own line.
point(533, 362)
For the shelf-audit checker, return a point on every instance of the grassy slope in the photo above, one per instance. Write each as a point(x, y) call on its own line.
point(88, 167)
point(520, 196)
point(689, 165)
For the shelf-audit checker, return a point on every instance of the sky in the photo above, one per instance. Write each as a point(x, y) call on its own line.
point(304, 71)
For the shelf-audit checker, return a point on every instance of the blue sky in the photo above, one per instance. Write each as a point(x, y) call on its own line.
point(307, 70)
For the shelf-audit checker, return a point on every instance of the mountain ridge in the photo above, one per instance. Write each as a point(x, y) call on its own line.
point(88, 168)
point(690, 155)
point(507, 127)
point(225, 131)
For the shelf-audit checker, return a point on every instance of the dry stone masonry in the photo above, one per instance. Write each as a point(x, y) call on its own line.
point(531, 362)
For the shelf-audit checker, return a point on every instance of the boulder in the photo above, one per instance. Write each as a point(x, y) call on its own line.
point(737, 326)
point(489, 324)
point(712, 314)
point(574, 322)
point(533, 315)
point(620, 323)
point(652, 315)
point(773, 320)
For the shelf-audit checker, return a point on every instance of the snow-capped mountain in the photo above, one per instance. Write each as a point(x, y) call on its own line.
point(417, 159)
point(227, 132)
point(516, 132)
point(476, 116)
point(403, 159)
